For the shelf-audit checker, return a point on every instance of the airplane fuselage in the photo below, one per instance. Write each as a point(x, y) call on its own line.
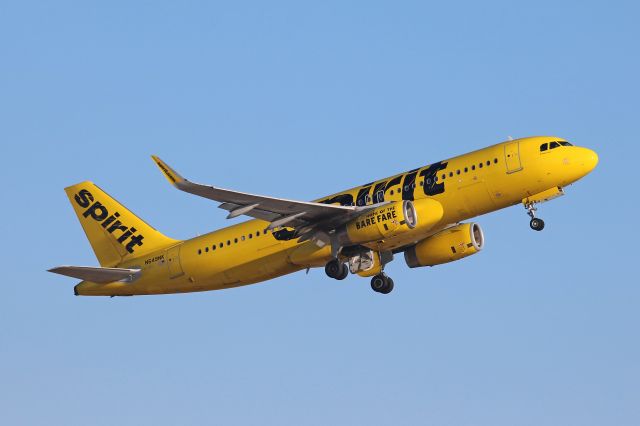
point(466, 186)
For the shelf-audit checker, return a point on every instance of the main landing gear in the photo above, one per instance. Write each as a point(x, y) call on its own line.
point(336, 270)
point(381, 283)
point(536, 224)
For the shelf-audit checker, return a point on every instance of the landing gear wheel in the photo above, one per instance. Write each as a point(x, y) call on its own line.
point(381, 284)
point(333, 268)
point(344, 272)
point(389, 286)
point(536, 224)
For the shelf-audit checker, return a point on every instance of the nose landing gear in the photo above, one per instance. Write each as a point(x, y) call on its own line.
point(536, 224)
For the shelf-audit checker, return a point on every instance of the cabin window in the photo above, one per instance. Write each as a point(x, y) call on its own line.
point(473, 167)
point(206, 249)
point(429, 181)
point(466, 170)
point(213, 247)
point(458, 171)
point(421, 183)
point(488, 163)
point(392, 192)
point(257, 233)
point(199, 251)
point(235, 240)
point(480, 165)
point(250, 236)
point(544, 147)
point(495, 160)
point(450, 174)
point(444, 175)
point(221, 245)
point(228, 242)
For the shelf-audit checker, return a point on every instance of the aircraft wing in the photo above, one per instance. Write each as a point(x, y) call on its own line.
point(96, 274)
point(278, 211)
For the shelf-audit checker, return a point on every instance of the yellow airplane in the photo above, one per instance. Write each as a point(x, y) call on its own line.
point(418, 213)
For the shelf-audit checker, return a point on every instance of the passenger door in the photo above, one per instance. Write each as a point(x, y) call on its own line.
point(512, 157)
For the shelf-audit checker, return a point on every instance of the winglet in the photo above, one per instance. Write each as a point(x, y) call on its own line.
point(172, 176)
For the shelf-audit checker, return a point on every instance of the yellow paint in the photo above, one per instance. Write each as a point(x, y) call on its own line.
point(476, 183)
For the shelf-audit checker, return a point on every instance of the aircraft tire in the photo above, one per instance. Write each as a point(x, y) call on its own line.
point(536, 224)
point(333, 268)
point(344, 272)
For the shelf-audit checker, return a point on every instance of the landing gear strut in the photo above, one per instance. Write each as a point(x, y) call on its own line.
point(381, 283)
point(536, 224)
point(336, 270)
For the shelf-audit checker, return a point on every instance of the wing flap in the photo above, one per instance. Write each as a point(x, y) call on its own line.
point(97, 274)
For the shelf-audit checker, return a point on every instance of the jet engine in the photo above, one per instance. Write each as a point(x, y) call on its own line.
point(392, 220)
point(451, 244)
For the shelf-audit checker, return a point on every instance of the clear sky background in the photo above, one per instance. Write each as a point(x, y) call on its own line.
point(300, 100)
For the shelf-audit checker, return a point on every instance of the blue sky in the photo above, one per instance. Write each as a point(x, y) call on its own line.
point(302, 100)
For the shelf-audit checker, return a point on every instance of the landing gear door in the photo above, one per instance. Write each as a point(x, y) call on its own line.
point(512, 157)
point(173, 262)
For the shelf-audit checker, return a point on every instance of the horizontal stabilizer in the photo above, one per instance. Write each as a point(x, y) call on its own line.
point(97, 274)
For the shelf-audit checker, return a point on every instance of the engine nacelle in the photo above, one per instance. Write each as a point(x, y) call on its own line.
point(449, 245)
point(392, 220)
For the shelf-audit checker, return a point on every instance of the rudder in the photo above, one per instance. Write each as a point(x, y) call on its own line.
point(114, 232)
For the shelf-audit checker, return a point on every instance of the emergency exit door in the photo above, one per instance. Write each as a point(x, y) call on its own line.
point(512, 157)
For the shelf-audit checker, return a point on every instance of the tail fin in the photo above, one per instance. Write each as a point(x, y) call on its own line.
point(114, 232)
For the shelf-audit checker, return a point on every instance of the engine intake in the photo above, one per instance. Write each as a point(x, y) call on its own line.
point(449, 245)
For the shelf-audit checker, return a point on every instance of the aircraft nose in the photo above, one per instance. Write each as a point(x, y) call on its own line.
point(589, 160)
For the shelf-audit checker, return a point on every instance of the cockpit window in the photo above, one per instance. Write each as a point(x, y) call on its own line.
point(553, 145)
point(565, 143)
point(544, 147)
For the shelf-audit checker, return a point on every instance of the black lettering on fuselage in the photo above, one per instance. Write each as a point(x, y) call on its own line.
point(342, 199)
point(408, 185)
point(431, 186)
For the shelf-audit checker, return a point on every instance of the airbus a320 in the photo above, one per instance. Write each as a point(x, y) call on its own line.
point(420, 214)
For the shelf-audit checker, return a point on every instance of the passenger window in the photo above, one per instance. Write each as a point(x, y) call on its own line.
point(450, 174)
point(206, 249)
point(544, 147)
point(242, 238)
point(495, 160)
point(488, 163)
point(257, 233)
point(235, 240)
point(228, 242)
point(250, 236)
point(199, 251)
point(466, 170)
point(480, 165)
point(473, 167)
point(458, 171)
point(221, 245)
point(392, 192)
point(444, 175)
